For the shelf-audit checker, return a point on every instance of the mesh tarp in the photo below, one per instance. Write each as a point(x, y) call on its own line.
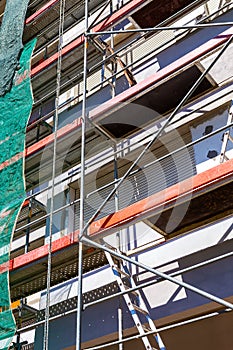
point(15, 108)
point(11, 41)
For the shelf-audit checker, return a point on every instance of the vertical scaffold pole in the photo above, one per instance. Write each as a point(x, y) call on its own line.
point(114, 65)
point(119, 310)
point(82, 186)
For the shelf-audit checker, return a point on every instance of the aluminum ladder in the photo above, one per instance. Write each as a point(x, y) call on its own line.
point(227, 136)
point(134, 302)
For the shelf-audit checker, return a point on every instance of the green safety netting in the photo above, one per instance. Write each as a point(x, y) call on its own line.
point(11, 33)
point(15, 109)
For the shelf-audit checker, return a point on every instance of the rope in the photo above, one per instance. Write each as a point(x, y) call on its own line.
point(58, 84)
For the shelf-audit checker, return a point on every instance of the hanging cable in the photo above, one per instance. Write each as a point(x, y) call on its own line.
point(49, 268)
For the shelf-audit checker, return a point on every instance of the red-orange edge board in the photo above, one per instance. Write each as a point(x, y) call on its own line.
point(39, 12)
point(134, 212)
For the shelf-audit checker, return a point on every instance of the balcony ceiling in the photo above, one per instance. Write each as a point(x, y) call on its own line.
point(158, 11)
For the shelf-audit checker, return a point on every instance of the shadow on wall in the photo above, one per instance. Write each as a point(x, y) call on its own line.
point(164, 299)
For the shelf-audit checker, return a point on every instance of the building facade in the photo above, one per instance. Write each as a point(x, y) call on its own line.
point(125, 237)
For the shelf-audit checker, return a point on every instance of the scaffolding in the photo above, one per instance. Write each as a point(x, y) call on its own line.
point(101, 55)
point(83, 236)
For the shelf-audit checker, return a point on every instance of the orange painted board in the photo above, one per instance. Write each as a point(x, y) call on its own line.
point(15, 304)
point(50, 138)
point(146, 207)
point(39, 12)
point(26, 203)
point(113, 19)
point(41, 252)
point(68, 48)
point(135, 212)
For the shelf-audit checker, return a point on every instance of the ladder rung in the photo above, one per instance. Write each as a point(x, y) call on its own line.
point(116, 259)
point(121, 271)
point(134, 292)
point(146, 329)
point(142, 311)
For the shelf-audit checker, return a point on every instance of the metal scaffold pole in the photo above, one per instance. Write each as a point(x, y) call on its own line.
point(160, 274)
point(159, 28)
point(82, 186)
point(91, 37)
point(157, 134)
point(138, 287)
point(88, 241)
point(118, 236)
